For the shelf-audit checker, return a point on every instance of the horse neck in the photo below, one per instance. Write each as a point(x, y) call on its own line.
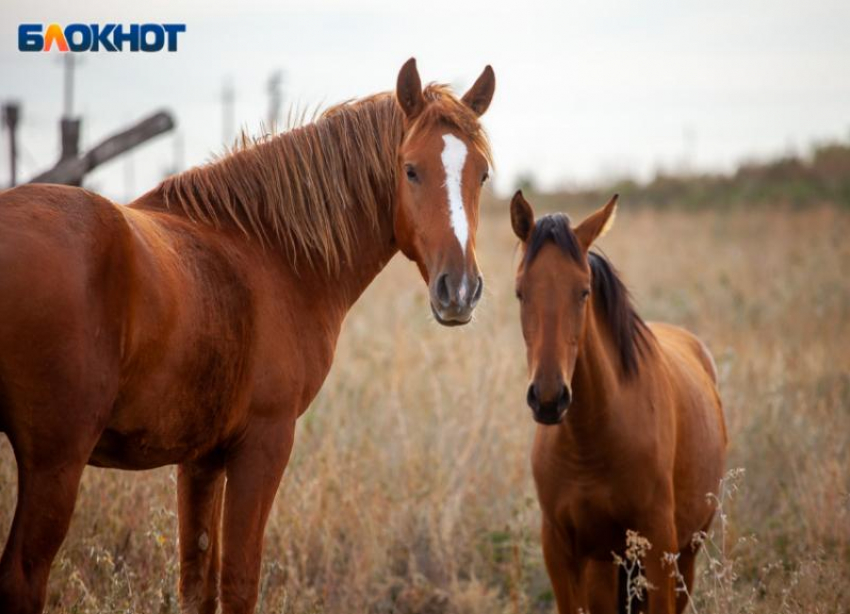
point(332, 293)
point(595, 383)
point(337, 291)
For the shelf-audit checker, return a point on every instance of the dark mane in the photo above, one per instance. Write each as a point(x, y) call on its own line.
point(629, 332)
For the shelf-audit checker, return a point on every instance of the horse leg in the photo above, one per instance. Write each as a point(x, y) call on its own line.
point(661, 533)
point(686, 562)
point(564, 571)
point(599, 582)
point(200, 494)
point(47, 492)
point(254, 471)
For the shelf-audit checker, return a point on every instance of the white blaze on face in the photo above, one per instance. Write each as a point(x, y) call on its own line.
point(454, 157)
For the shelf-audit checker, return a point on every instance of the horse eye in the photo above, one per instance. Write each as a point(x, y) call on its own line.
point(584, 294)
point(411, 173)
point(519, 296)
point(485, 177)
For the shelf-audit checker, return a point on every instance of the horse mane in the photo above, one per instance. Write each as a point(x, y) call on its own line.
point(630, 333)
point(300, 188)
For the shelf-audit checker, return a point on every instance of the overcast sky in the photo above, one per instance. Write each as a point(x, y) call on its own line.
point(585, 90)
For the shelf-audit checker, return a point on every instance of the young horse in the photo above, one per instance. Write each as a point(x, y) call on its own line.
point(196, 325)
point(644, 439)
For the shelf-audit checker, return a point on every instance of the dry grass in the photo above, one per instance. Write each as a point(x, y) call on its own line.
point(410, 491)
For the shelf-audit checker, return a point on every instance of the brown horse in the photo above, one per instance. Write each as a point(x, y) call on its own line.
point(630, 426)
point(195, 325)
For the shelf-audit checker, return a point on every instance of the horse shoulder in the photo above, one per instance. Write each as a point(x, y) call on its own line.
point(691, 372)
point(296, 350)
point(190, 327)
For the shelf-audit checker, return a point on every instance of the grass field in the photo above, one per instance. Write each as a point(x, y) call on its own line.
point(410, 492)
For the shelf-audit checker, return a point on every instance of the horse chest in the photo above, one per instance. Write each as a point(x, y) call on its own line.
point(141, 449)
point(589, 505)
point(593, 521)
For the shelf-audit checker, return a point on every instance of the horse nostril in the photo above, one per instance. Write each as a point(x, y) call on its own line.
point(479, 290)
point(443, 295)
point(532, 399)
point(566, 398)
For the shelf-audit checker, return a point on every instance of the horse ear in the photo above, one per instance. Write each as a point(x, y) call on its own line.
point(597, 224)
point(481, 93)
point(522, 217)
point(409, 90)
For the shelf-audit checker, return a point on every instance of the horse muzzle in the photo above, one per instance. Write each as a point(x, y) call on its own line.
point(553, 409)
point(453, 300)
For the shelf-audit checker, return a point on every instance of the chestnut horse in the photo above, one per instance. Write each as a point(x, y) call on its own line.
point(630, 429)
point(195, 325)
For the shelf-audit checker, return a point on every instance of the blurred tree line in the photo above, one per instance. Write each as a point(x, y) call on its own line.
point(821, 177)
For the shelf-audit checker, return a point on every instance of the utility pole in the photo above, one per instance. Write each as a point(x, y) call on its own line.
point(72, 170)
point(11, 115)
point(275, 92)
point(73, 166)
point(228, 119)
point(68, 98)
point(69, 125)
